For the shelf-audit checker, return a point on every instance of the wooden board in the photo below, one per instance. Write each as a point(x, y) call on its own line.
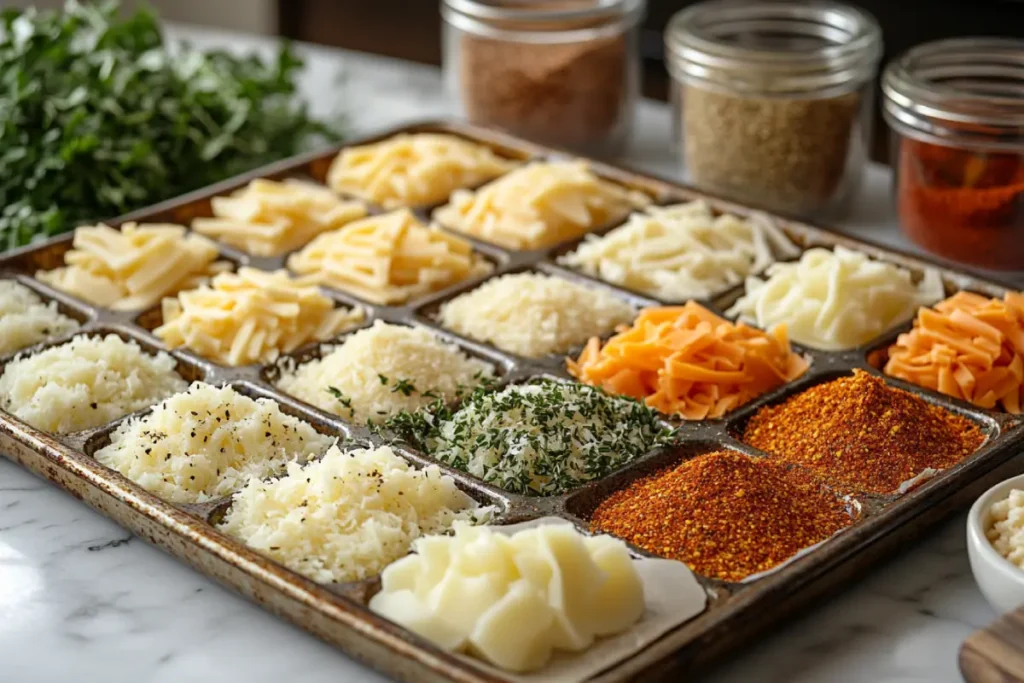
point(995, 654)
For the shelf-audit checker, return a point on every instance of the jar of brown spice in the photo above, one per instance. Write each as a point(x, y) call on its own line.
point(772, 100)
point(560, 72)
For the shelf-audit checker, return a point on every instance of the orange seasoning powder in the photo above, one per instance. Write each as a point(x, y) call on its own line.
point(685, 360)
point(724, 514)
point(859, 433)
point(969, 346)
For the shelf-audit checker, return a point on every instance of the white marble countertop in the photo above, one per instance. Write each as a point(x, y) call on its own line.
point(82, 600)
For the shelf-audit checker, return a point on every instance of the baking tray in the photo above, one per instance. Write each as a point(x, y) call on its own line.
point(736, 612)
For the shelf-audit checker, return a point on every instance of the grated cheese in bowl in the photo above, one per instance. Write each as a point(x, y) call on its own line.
point(206, 442)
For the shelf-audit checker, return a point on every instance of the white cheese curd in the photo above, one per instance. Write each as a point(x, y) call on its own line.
point(1006, 527)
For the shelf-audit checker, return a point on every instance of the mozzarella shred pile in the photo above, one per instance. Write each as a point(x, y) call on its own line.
point(413, 170)
point(382, 370)
point(347, 515)
point(85, 383)
point(533, 315)
point(270, 218)
point(836, 299)
point(539, 206)
point(132, 268)
point(513, 600)
point(683, 251)
point(251, 317)
point(25, 320)
point(206, 442)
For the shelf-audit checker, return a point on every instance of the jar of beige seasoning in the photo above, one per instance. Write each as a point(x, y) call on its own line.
point(560, 72)
point(772, 101)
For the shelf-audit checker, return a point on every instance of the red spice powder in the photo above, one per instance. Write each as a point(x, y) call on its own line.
point(965, 205)
point(724, 514)
point(859, 433)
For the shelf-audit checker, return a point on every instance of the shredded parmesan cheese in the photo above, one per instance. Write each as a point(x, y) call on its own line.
point(132, 268)
point(678, 252)
point(270, 218)
point(348, 515)
point(251, 317)
point(534, 315)
point(539, 205)
point(414, 170)
point(388, 259)
point(204, 443)
point(382, 370)
point(85, 383)
point(25, 320)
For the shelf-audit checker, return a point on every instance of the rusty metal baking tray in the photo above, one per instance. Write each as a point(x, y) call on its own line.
point(736, 612)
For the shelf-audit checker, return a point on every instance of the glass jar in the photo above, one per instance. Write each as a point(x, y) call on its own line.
point(772, 101)
point(561, 72)
point(956, 110)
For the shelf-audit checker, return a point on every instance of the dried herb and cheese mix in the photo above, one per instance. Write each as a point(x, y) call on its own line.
point(542, 438)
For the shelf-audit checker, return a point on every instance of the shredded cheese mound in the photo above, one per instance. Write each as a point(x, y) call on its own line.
point(539, 205)
point(1005, 528)
point(270, 218)
point(541, 438)
point(683, 251)
point(414, 169)
point(85, 383)
point(836, 300)
point(685, 360)
point(25, 320)
point(251, 317)
point(382, 370)
point(968, 346)
point(513, 600)
point(132, 268)
point(347, 515)
point(533, 315)
point(206, 442)
point(388, 259)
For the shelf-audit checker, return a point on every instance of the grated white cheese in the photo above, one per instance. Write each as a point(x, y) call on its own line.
point(682, 251)
point(1005, 527)
point(204, 443)
point(348, 515)
point(534, 315)
point(382, 370)
point(85, 383)
point(25, 320)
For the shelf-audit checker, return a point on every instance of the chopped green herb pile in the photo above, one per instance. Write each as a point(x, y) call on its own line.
point(97, 117)
point(542, 438)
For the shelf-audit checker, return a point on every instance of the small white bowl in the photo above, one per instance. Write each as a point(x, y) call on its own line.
point(1000, 581)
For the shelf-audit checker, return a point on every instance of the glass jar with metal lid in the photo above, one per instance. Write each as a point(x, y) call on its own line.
point(772, 100)
point(561, 72)
point(956, 110)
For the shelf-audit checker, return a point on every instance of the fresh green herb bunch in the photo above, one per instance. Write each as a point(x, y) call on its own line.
point(97, 117)
point(541, 438)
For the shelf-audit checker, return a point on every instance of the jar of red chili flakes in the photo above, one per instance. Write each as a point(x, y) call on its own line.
point(956, 109)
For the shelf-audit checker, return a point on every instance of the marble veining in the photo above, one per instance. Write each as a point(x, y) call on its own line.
point(82, 600)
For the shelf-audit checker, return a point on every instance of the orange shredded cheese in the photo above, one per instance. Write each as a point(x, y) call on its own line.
point(969, 347)
point(686, 360)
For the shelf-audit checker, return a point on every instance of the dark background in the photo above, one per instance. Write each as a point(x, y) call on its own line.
point(411, 29)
